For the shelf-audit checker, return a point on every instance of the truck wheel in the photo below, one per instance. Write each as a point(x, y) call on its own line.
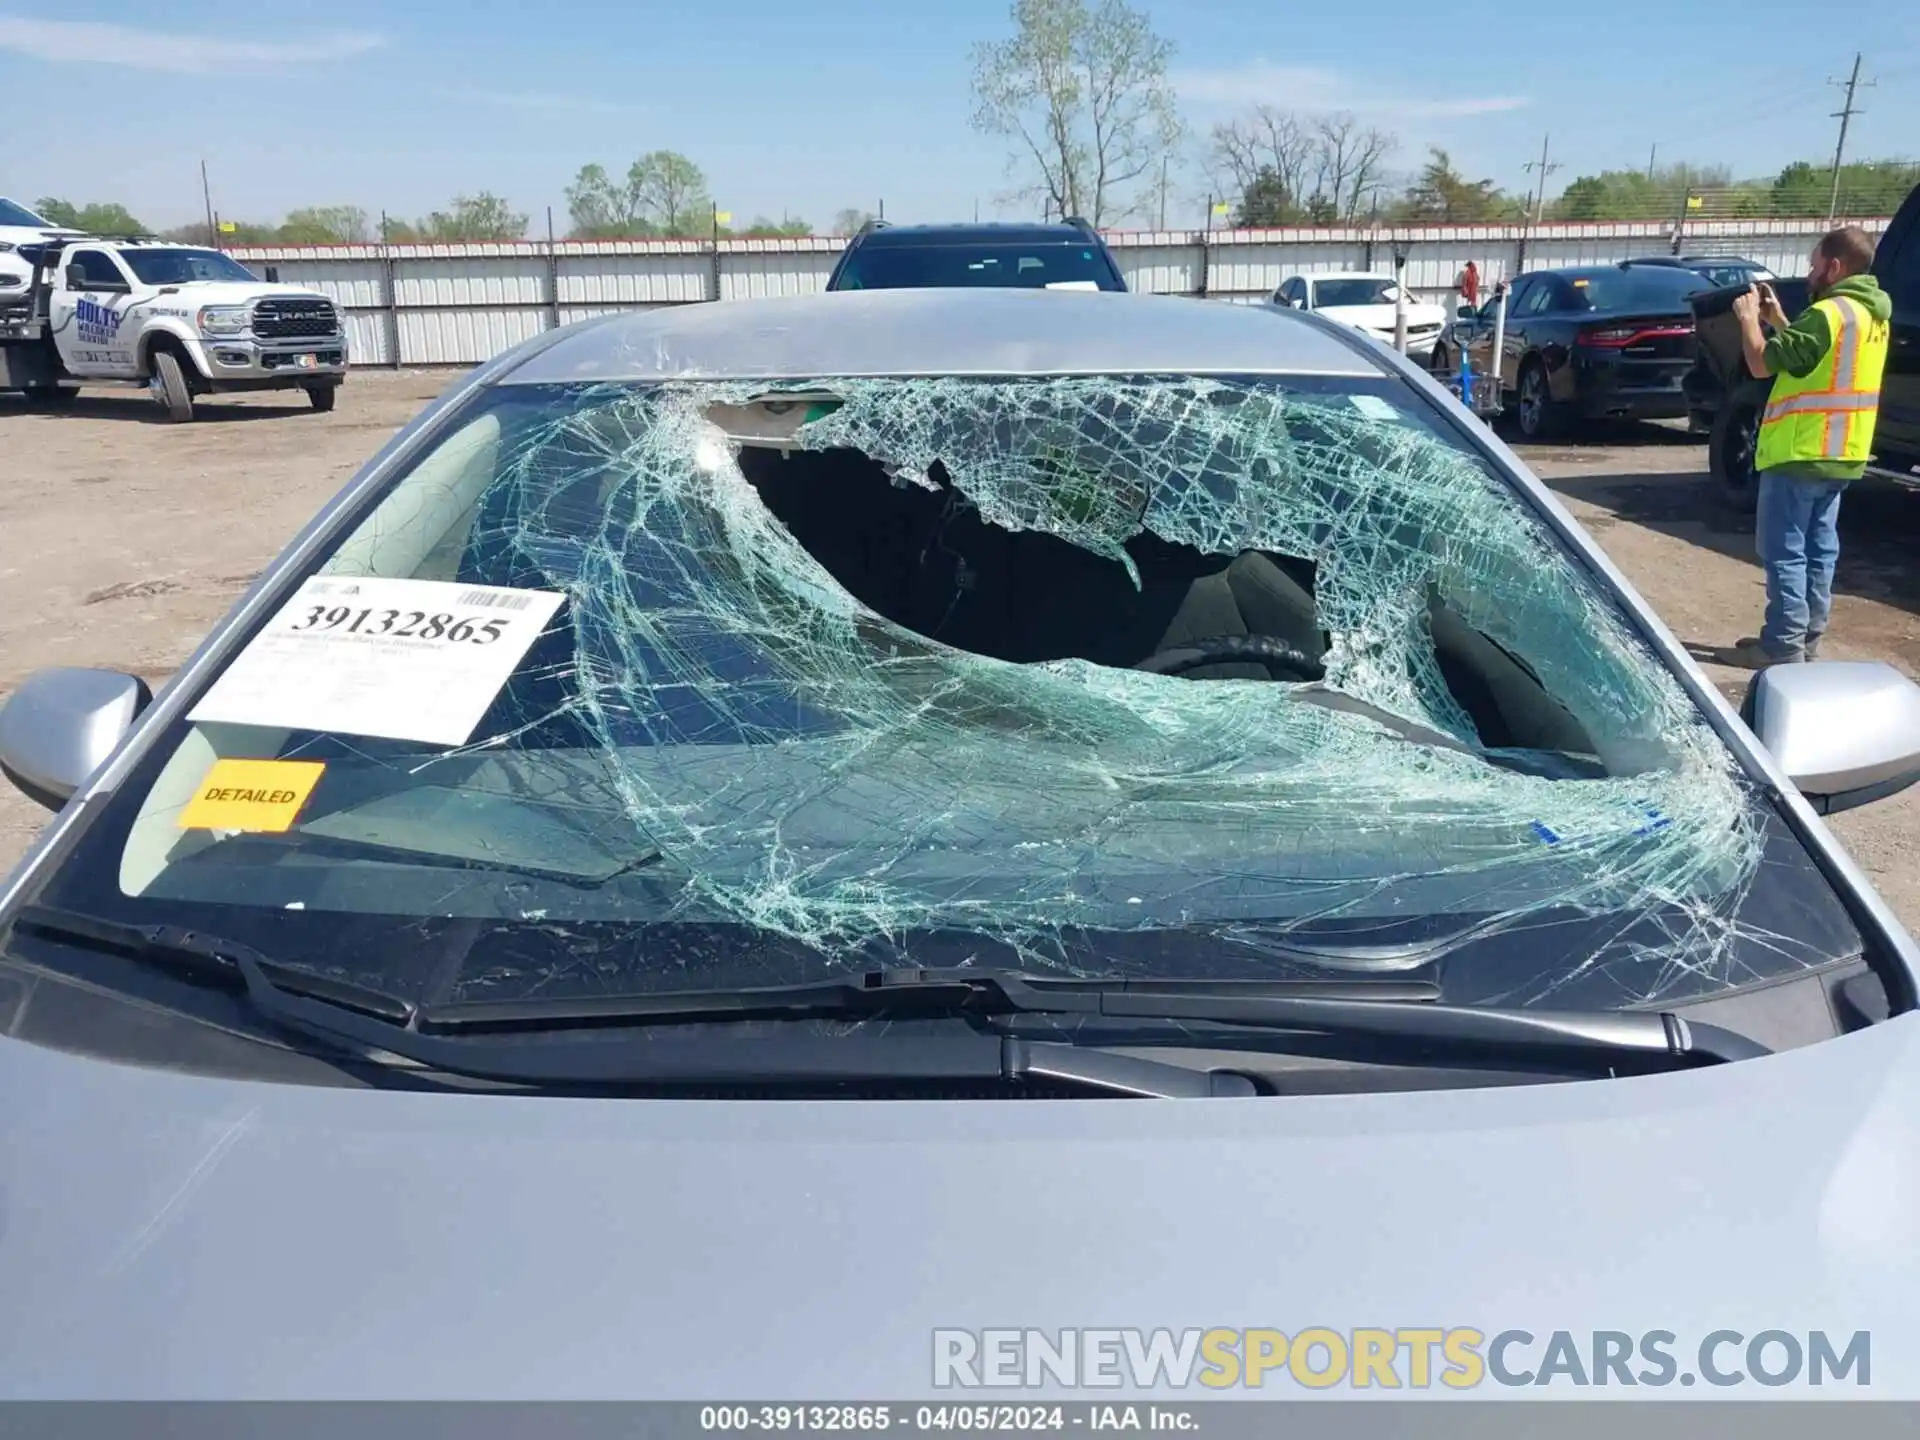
point(321, 397)
point(169, 386)
point(1736, 430)
point(51, 397)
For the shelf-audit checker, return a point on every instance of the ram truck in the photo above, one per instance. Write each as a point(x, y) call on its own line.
point(181, 320)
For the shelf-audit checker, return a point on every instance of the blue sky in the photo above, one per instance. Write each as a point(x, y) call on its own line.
point(804, 108)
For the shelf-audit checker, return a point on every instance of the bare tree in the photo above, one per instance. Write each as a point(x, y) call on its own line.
point(1350, 162)
point(849, 221)
point(1266, 140)
point(1081, 89)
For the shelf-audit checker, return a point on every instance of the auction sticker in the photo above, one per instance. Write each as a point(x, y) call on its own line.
point(261, 795)
point(398, 659)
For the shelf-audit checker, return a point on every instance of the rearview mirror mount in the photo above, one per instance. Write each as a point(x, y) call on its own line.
point(1846, 732)
point(61, 725)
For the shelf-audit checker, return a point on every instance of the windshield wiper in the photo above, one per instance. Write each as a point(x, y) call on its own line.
point(1381, 1009)
point(200, 955)
point(552, 1042)
point(370, 1024)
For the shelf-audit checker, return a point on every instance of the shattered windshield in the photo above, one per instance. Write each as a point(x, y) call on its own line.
point(626, 687)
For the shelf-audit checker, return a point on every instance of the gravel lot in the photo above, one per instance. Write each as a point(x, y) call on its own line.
point(122, 541)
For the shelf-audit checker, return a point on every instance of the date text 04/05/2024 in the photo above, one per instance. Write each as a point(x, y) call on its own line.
point(988, 1419)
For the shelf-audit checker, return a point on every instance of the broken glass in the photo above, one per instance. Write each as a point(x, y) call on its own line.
point(854, 661)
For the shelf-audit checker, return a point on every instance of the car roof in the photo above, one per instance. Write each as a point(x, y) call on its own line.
point(995, 331)
point(1580, 272)
point(1682, 262)
point(981, 232)
point(1346, 275)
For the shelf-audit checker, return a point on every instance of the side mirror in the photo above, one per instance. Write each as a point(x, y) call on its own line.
point(61, 725)
point(1846, 731)
point(1464, 312)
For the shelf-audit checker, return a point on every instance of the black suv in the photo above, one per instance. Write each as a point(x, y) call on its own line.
point(919, 257)
point(1725, 401)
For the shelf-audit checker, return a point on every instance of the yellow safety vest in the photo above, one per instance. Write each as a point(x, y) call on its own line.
point(1828, 414)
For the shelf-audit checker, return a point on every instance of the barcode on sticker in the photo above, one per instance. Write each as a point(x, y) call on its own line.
point(496, 600)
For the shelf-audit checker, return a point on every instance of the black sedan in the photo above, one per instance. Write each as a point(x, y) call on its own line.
point(1588, 343)
point(1722, 270)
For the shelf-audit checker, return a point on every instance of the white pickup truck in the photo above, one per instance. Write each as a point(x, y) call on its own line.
point(179, 319)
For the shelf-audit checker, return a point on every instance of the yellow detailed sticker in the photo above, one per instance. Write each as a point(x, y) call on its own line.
point(251, 795)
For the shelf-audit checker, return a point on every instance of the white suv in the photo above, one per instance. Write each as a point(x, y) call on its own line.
point(20, 226)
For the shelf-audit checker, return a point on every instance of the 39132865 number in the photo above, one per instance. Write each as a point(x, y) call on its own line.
point(401, 624)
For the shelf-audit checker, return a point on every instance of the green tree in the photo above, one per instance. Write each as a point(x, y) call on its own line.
point(1585, 199)
point(325, 225)
point(101, 218)
point(1442, 195)
point(244, 232)
point(1081, 92)
point(1657, 195)
point(474, 217)
point(1799, 189)
point(672, 193)
point(1867, 187)
point(764, 228)
point(1265, 201)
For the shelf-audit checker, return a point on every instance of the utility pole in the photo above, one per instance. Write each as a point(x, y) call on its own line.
point(1652, 150)
point(1540, 192)
point(206, 194)
point(1843, 115)
point(1163, 193)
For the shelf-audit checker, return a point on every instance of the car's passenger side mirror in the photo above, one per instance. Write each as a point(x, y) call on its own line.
point(61, 725)
point(1464, 312)
point(1845, 731)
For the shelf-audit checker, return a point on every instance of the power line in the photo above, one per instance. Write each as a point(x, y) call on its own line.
point(1843, 115)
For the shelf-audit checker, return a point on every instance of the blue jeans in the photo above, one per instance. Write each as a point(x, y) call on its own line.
point(1798, 536)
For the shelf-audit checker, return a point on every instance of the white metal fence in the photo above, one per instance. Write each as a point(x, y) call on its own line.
point(462, 304)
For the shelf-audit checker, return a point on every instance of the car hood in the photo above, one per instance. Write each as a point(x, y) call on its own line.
point(235, 292)
point(32, 234)
point(166, 1236)
point(1380, 317)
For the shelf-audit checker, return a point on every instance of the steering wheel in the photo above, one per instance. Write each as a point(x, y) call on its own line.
point(1233, 650)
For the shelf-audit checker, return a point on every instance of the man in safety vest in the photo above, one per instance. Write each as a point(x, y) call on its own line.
point(1816, 433)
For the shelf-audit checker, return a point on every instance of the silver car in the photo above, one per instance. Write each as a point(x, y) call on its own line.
point(565, 933)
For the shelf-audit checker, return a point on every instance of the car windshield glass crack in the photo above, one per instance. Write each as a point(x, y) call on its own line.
point(858, 659)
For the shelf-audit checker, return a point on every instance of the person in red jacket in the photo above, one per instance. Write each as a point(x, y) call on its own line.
point(1469, 285)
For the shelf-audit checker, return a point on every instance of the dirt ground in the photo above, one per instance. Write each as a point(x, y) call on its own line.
point(122, 541)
